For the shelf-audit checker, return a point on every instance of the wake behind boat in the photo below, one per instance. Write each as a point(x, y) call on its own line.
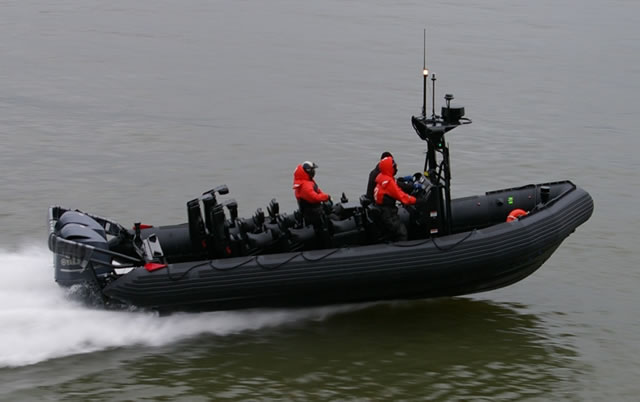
point(218, 261)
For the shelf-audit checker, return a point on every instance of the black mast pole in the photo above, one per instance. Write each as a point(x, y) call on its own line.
point(430, 154)
point(425, 73)
point(433, 97)
point(432, 130)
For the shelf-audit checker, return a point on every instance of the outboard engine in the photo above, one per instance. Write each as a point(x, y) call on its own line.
point(85, 266)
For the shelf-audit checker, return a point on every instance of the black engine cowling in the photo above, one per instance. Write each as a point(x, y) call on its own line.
point(85, 265)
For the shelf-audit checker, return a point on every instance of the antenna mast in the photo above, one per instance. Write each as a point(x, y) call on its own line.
point(437, 163)
point(425, 73)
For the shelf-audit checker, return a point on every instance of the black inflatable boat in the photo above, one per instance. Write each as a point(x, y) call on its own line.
point(219, 261)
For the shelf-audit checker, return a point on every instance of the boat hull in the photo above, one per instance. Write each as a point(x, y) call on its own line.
point(473, 261)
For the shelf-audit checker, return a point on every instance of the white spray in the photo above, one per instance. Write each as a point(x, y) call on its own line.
point(39, 322)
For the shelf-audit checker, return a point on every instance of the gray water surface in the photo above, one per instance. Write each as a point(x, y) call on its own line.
point(129, 109)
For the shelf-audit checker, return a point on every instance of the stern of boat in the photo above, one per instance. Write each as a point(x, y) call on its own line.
point(81, 247)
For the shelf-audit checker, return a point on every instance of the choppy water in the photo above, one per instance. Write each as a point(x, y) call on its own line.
point(130, 109)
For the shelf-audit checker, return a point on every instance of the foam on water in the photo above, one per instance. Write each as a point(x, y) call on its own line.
point(39, 322)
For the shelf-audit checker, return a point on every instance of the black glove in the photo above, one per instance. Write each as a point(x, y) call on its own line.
point(329, 202)
point(421, 203)
point(405, 186)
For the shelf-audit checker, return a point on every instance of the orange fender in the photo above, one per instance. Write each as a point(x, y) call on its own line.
point(515, 214)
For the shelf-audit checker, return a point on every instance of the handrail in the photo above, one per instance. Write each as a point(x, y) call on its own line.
point(71, 248)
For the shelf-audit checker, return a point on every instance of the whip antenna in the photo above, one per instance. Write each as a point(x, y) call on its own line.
point(425, 73)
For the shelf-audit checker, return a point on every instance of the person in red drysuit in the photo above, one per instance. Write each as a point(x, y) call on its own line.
point(308, 194)
point(371, 184)
point(385, 195)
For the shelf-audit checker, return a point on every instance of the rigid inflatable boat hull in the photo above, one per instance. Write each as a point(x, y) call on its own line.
point(469, 262)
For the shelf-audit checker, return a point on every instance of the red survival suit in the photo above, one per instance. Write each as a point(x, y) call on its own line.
point(386, 186)
point(309, 196)
point(385, 195)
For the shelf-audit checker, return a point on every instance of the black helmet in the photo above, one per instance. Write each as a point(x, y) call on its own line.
point(310, 168)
